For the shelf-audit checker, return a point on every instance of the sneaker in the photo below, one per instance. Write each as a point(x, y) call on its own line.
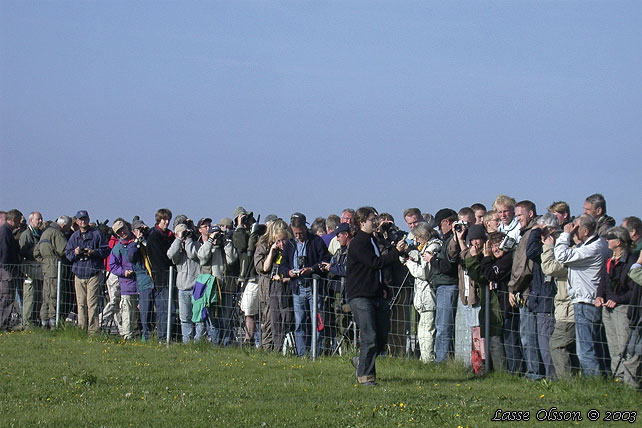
point(369, 383)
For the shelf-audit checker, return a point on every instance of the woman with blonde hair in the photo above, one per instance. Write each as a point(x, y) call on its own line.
point(274, 293)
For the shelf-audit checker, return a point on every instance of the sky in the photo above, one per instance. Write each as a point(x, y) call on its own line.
point(121, 108)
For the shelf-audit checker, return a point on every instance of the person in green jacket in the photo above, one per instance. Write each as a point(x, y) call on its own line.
point(49, 250)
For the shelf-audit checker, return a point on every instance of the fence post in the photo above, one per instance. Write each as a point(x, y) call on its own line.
point(487, 329)
point(315, 295)
point(169, 303)
point(58, 292)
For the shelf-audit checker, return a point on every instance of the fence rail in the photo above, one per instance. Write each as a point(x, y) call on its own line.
point(486, 335)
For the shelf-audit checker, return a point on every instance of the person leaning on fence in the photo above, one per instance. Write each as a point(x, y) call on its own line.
point(632, 359)
point(336, 319)
point(443, 276)
point(542, 293)
point(48, 252)
point(399, 282)
point(586, 263)
point(614, 296)
point(183, 253)
point(111, 311)
point(562, 340)
point(214, 254)
point(424, 294)
point(32, 285)
point(367, 294)
point(519, 289)
point(267, 260)
point(302, 257)
point(158, 242)
point(9, 266)
point(137, 254)
point(129, 275)
point(480, 253)
point(86, 250)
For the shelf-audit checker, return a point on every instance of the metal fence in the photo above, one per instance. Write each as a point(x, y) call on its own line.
point(489, 334)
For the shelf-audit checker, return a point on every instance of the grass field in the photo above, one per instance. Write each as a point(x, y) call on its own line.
point(64, 378)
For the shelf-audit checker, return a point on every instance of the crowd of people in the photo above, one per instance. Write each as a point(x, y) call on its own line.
point(544, 296)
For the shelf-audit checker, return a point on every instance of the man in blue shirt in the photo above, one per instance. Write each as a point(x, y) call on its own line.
point(87, 249)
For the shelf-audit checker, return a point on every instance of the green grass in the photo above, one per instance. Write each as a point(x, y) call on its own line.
point(64, 378)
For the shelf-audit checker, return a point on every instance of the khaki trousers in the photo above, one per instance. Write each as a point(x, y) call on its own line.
point(87, 296)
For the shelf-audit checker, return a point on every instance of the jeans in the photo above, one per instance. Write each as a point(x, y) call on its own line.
point(545, 327)
point(372, 316)
point(588, 319)
point(221, 322)
point(161, 296)
point(512, 344)
point(302, 320)
point(445, 321)
point(145, 302)
point(528, 336)
point(185, 314)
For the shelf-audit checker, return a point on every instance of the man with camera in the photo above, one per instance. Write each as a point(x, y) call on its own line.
point(303, 256)
point(586, 263)
point(86, 250)
point(443, 276)
point(468, 306)
point(519, 288)
point(182, 253)
point(215, 253)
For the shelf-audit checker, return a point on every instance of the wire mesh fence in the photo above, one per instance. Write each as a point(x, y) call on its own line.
point(317, 321)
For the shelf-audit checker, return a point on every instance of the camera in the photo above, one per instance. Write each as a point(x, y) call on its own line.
point(460, 225)
point(141, 241)
point(301, 261)
point(187, 233)
point(507, 244)
point(391, 232)
point(83, 254)
point(219, 235)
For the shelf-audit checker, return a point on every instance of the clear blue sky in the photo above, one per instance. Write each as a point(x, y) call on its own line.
point(122, 108)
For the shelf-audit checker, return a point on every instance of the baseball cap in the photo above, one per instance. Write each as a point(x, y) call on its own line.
point(82, 213)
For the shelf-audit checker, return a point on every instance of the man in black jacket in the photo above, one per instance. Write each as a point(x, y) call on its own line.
point(303, 256)
point(366, 294)
point(158, 242)
point(9, 264)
